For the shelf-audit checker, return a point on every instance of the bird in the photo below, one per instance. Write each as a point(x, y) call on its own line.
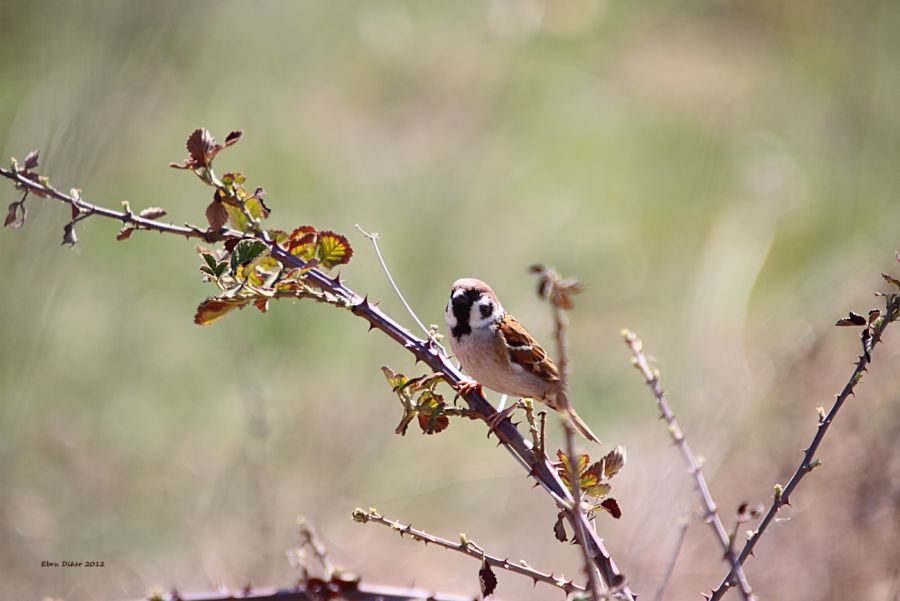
point(501, 354)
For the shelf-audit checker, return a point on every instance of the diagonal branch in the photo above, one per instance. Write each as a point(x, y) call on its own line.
point(711, 513)
point(809, 463)
point(470, 548)
point(539, 469)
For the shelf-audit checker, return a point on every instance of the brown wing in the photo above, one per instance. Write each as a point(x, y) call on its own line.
point(525, 351)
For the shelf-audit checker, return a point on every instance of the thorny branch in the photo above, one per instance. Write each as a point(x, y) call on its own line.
point(540, 469)
point(711, 514)
point(470, 548)
point(871, 337)
point(576, 512)
point(558, 291)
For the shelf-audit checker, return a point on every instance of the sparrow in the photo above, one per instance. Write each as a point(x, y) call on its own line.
point(499, 353)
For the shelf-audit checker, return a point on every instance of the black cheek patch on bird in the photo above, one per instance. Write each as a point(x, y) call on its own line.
point(486, 310)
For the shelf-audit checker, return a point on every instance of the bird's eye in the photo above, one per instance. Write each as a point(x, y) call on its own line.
point(487, 309)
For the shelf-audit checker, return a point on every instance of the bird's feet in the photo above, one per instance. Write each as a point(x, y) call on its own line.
point(494, 420)
point(469, 385)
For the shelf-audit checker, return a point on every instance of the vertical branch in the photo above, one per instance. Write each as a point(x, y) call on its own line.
point(711, 514)
point(577, 514)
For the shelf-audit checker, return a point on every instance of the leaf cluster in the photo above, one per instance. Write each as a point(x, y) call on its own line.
point(594, 482)
point(422, 402)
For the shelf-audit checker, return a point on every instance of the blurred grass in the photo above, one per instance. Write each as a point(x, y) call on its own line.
point(721, 175)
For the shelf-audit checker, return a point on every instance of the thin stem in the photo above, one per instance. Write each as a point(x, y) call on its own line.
point(308, 537)
point(374, 239)
point(711, 514)
point(542, 471)
point(808, 462)
point(469, 548)
point(670, 568)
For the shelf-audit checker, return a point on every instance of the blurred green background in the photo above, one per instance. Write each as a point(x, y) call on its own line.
point(722, 176)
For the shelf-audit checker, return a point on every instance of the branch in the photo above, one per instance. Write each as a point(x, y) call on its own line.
point(711, 514)
point(469, 548)
point(871, 337)
point(539, 469)
point(576, 513)
point(314, 590)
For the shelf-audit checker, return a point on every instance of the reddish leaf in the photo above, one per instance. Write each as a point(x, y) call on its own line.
point(233, 137)
point(213, 309)
point(262, 304)
point(125, 233)
point(302, 242)
point(216, 215)
point(853, 319)
point(200, 146)
point(433, 424)
point(333, 249)
point(612, 507)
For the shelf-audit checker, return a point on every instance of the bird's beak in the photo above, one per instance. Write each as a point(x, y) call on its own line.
point(459, 300)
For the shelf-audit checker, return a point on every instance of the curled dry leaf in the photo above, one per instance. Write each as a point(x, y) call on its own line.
point(17, 212)
point(125, 233)
point(612, 507)
point(153, 213)
point(31, 161)
point(233, 137)
point(488, 580)
point(213, 309)
point(559, 528)
point(69, 236)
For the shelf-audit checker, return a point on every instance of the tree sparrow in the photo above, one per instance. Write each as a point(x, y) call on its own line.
point(500, 353)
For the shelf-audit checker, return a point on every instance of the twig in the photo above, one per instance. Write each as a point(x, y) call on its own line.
point(537, 437)
point(711, 515)
point(670, 568)
point(308, 537)
point(470, 548)
point(808, 463)
point(541, 471)
point(374, 239)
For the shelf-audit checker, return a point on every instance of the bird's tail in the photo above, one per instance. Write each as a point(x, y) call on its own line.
point(582, 427)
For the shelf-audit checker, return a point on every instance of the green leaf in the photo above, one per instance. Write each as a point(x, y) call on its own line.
point(395, 380)
point(210, 260)
point(246, 251)
point(614, 461)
